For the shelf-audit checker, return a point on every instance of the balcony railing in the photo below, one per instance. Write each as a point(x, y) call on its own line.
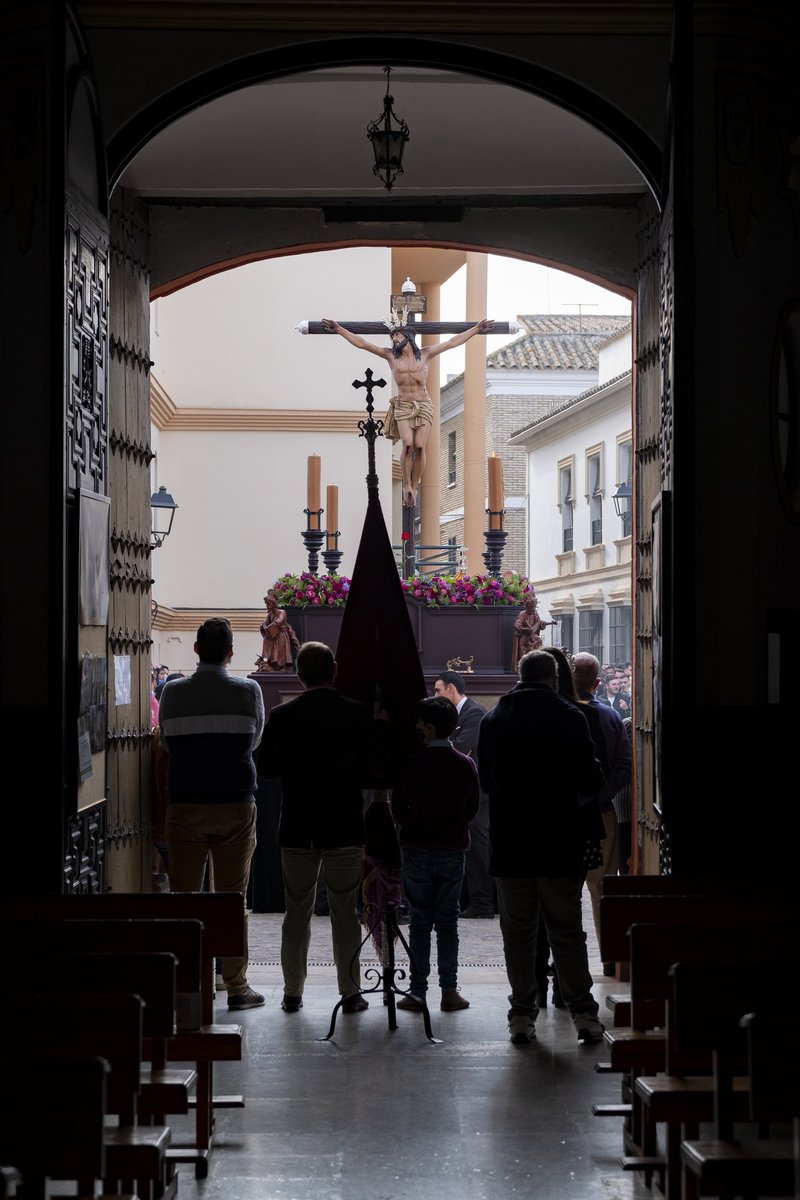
point(431, 560)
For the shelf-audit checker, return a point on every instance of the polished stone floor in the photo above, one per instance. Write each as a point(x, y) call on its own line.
point(381, 1115)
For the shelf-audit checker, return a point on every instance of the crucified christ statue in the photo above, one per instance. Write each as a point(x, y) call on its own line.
point(411, 411)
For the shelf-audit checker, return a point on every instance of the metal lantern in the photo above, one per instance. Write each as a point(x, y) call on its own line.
point(388, 134)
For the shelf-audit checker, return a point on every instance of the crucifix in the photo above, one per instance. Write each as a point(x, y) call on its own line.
point(410, 412)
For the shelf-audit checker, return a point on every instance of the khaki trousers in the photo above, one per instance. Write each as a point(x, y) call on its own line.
point(226, 832)
point(610, 848)
point(343, 872)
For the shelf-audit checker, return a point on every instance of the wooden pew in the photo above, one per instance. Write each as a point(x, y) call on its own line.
point(683, 1095)
point(56, 1024)
point(618, 912)
point(184, 939)
point(164, 1090)
point(640, 1048)
point(740, 1159)
point(68, 1098)
point(684, 885)
point(222, 916)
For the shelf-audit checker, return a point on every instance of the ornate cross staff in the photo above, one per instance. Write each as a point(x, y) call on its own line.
point(370, 429)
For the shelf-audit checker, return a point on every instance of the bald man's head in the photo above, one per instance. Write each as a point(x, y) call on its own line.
point(586, 673)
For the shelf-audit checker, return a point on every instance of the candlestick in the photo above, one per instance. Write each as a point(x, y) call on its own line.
point(496, 491)
point(332, 517)
point(313, 489)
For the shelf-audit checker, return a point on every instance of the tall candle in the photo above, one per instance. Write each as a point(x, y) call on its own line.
point(332, 515)
point(496, 490)
point(313, 489)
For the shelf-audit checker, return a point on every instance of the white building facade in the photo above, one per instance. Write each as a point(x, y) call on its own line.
point(579, 545)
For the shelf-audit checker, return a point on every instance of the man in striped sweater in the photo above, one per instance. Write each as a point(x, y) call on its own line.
point(210, 724)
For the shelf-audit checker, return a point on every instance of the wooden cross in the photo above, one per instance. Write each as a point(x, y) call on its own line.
point(411, 326)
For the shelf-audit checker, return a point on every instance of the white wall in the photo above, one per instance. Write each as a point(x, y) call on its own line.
point(615, 357)
point(229, 342)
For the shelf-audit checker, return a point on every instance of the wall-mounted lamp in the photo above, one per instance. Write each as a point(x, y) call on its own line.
point(622, 499)
point(163, 507)
point(388, 140)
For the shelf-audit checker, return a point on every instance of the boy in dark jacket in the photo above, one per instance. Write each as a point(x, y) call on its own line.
point(433, 801)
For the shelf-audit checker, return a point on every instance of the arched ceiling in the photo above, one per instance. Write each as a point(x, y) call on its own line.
point(301, 139)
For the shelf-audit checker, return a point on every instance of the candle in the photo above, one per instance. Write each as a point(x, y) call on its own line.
point(313, 489)
point(496, 490)
point(332, 520)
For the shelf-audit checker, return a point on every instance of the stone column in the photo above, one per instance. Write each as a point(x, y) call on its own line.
point(475, 416)
point(431, 480)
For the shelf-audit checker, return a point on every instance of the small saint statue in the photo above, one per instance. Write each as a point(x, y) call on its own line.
point(527, 630)
point(278, 638)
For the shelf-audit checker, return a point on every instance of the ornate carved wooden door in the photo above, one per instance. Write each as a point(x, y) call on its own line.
point(128, 822)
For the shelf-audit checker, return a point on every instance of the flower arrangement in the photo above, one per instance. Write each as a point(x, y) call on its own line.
point(478, 591)
point(436, 591)
point(321, 591)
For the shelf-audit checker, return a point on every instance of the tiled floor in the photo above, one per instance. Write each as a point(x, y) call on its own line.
point(382, 1115)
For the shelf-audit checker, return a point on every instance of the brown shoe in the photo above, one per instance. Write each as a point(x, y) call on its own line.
point(452, 1000)
point(409, 1004)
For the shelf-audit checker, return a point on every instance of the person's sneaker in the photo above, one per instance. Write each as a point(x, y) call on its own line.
point(521, 1029)
point(246, 999)
point(291, 1003)
point(609, 968)
point(589, 1028)
point(471, 914)
point(452, 1000)
point(409, 1004)
point(220, 985)
point(355, 1003)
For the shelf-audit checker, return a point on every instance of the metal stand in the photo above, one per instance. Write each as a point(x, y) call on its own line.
point(313, 539)
point(495, 544)
point(385, 978)
point(332, 558)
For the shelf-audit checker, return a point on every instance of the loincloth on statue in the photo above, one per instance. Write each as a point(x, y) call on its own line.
point(417, 413)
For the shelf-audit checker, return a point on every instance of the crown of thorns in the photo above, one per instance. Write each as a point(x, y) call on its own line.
point(397, 320)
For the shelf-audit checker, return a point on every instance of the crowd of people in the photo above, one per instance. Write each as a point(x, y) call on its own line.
point(509, 812)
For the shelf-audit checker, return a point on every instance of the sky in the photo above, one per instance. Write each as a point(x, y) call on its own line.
point(516, 287)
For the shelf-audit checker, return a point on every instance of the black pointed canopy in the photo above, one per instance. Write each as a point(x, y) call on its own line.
point(377, 654)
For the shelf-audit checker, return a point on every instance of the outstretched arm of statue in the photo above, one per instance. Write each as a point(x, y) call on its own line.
point(354, 339)
point(458, 339)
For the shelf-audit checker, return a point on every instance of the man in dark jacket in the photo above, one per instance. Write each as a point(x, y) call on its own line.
point(480, 885)
point(535, 754)
point(322, 748)
point(618, 776)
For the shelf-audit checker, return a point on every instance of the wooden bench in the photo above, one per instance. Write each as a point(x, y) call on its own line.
point(164, 1090)
point(683, 1095)
point(184, 938)
point(740, 1159)
point(640, 1048)
point(68, 1098)
point(222, 917)
point(683, 885)
point(619, 911)
point(57, 1024)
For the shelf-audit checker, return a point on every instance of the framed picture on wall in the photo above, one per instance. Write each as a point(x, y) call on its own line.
point(93, 587)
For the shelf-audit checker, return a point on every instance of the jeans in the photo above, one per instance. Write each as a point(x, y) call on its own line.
point(432, 882)
point(558, 899)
